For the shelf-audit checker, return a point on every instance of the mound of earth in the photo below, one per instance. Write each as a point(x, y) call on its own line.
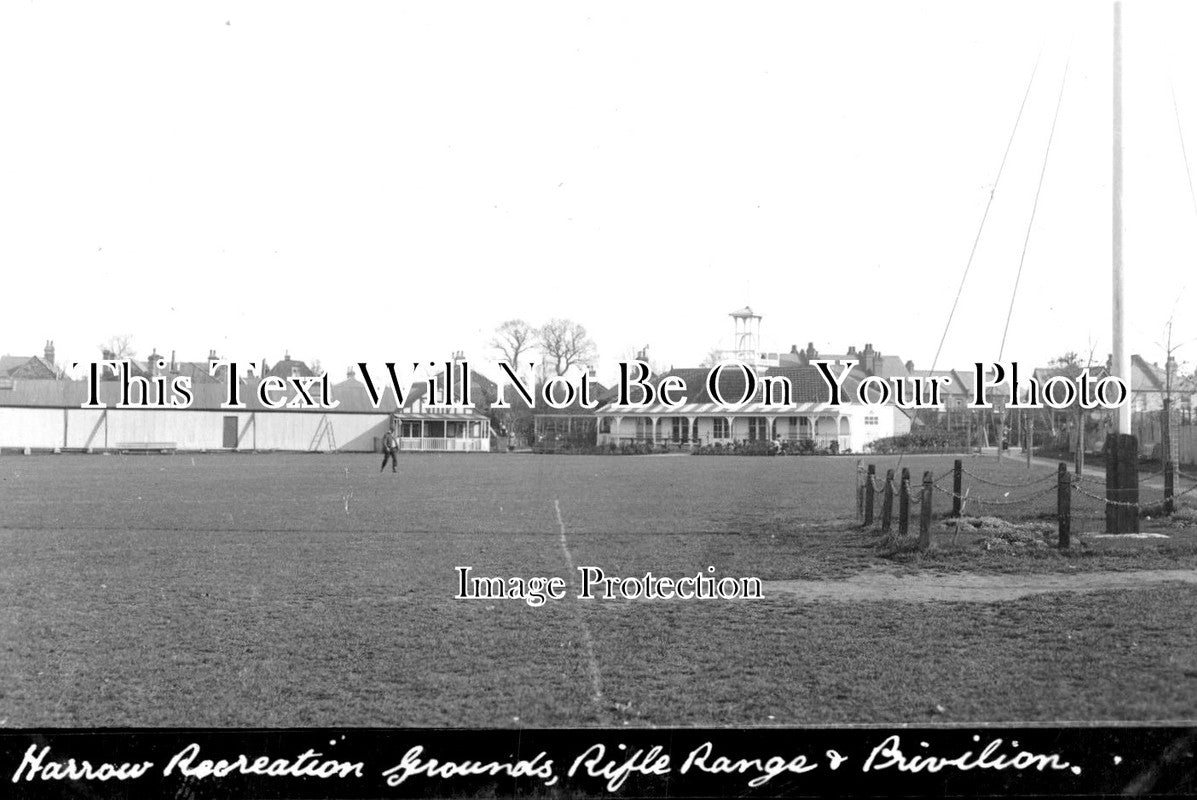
point(1002, 534)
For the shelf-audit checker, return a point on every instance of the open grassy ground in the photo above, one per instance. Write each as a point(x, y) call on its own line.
point(311, 590)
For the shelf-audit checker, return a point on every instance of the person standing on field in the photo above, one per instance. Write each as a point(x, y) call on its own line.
point(390, 450)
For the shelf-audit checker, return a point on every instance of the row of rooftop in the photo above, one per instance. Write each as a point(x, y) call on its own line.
point(1148, 378)
point(44, 367)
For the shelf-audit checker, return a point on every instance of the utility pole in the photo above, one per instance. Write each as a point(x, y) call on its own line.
point(1030, 434)
point(1170, 454)
point(1122, 448)
point(1120, 364)
point(1166, 459)
point(1080, 439)
point(1121, 358)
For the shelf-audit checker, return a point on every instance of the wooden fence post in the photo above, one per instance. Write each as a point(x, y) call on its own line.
point(1122, 483)
point(904, 503)
point(887, 502)
point(859, 490)
point(1169, 485)
point(1166, 454)
point(957, 486)
point(1064, 505)
point(868, 511)
point(1030, 440)
point(925, 512)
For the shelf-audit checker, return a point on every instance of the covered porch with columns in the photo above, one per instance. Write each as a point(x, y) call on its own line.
point(463, 432)
point(825, 427)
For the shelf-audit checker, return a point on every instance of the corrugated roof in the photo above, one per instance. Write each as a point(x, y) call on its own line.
point(467, 414)
point(53, 394)
point(73, 394)
point(206, 396)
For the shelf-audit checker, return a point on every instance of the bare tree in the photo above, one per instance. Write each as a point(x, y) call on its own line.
point(1170, 363)
point(1167, 451)
point(1070, 366)
point(566, 344)
point(514, 338)
point(120, 346)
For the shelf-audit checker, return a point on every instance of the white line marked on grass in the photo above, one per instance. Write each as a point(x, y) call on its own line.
point(592, 663)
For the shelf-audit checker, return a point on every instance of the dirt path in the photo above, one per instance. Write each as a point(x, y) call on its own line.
point(967, 587)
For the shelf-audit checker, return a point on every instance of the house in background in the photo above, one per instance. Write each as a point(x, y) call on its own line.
point(1150, 385)
point(570, 428)
point(426, 424)
point(807, 418)
point(198, 371)
point(850, 426)
point(287, 368)
point(31, 368)
point(955, 390)
point(868, 361)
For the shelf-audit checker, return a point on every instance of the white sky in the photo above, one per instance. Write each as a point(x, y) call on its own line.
point(386, 181)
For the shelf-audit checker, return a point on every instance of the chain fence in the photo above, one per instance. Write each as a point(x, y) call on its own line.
point(1059, 496)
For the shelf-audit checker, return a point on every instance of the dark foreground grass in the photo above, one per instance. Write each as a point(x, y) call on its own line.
point(1104, 656)
point(310, 590)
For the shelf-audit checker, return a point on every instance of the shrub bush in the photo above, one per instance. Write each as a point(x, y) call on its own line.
point(922, 440)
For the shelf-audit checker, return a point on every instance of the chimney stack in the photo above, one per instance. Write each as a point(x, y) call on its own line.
point(49, 353)
point(174, 365)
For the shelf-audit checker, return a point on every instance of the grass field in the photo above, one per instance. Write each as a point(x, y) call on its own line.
point(292, 590)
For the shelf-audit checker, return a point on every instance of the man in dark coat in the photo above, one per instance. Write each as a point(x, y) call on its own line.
point(390, 450)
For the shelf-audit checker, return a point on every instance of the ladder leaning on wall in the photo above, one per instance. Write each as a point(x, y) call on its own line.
point(324, 430)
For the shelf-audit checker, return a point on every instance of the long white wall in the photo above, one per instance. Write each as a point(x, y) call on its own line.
point(189, 429)
point(31, 427)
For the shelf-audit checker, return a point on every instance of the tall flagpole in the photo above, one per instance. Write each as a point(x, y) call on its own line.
point(1122, 363)
point(1122, 448)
